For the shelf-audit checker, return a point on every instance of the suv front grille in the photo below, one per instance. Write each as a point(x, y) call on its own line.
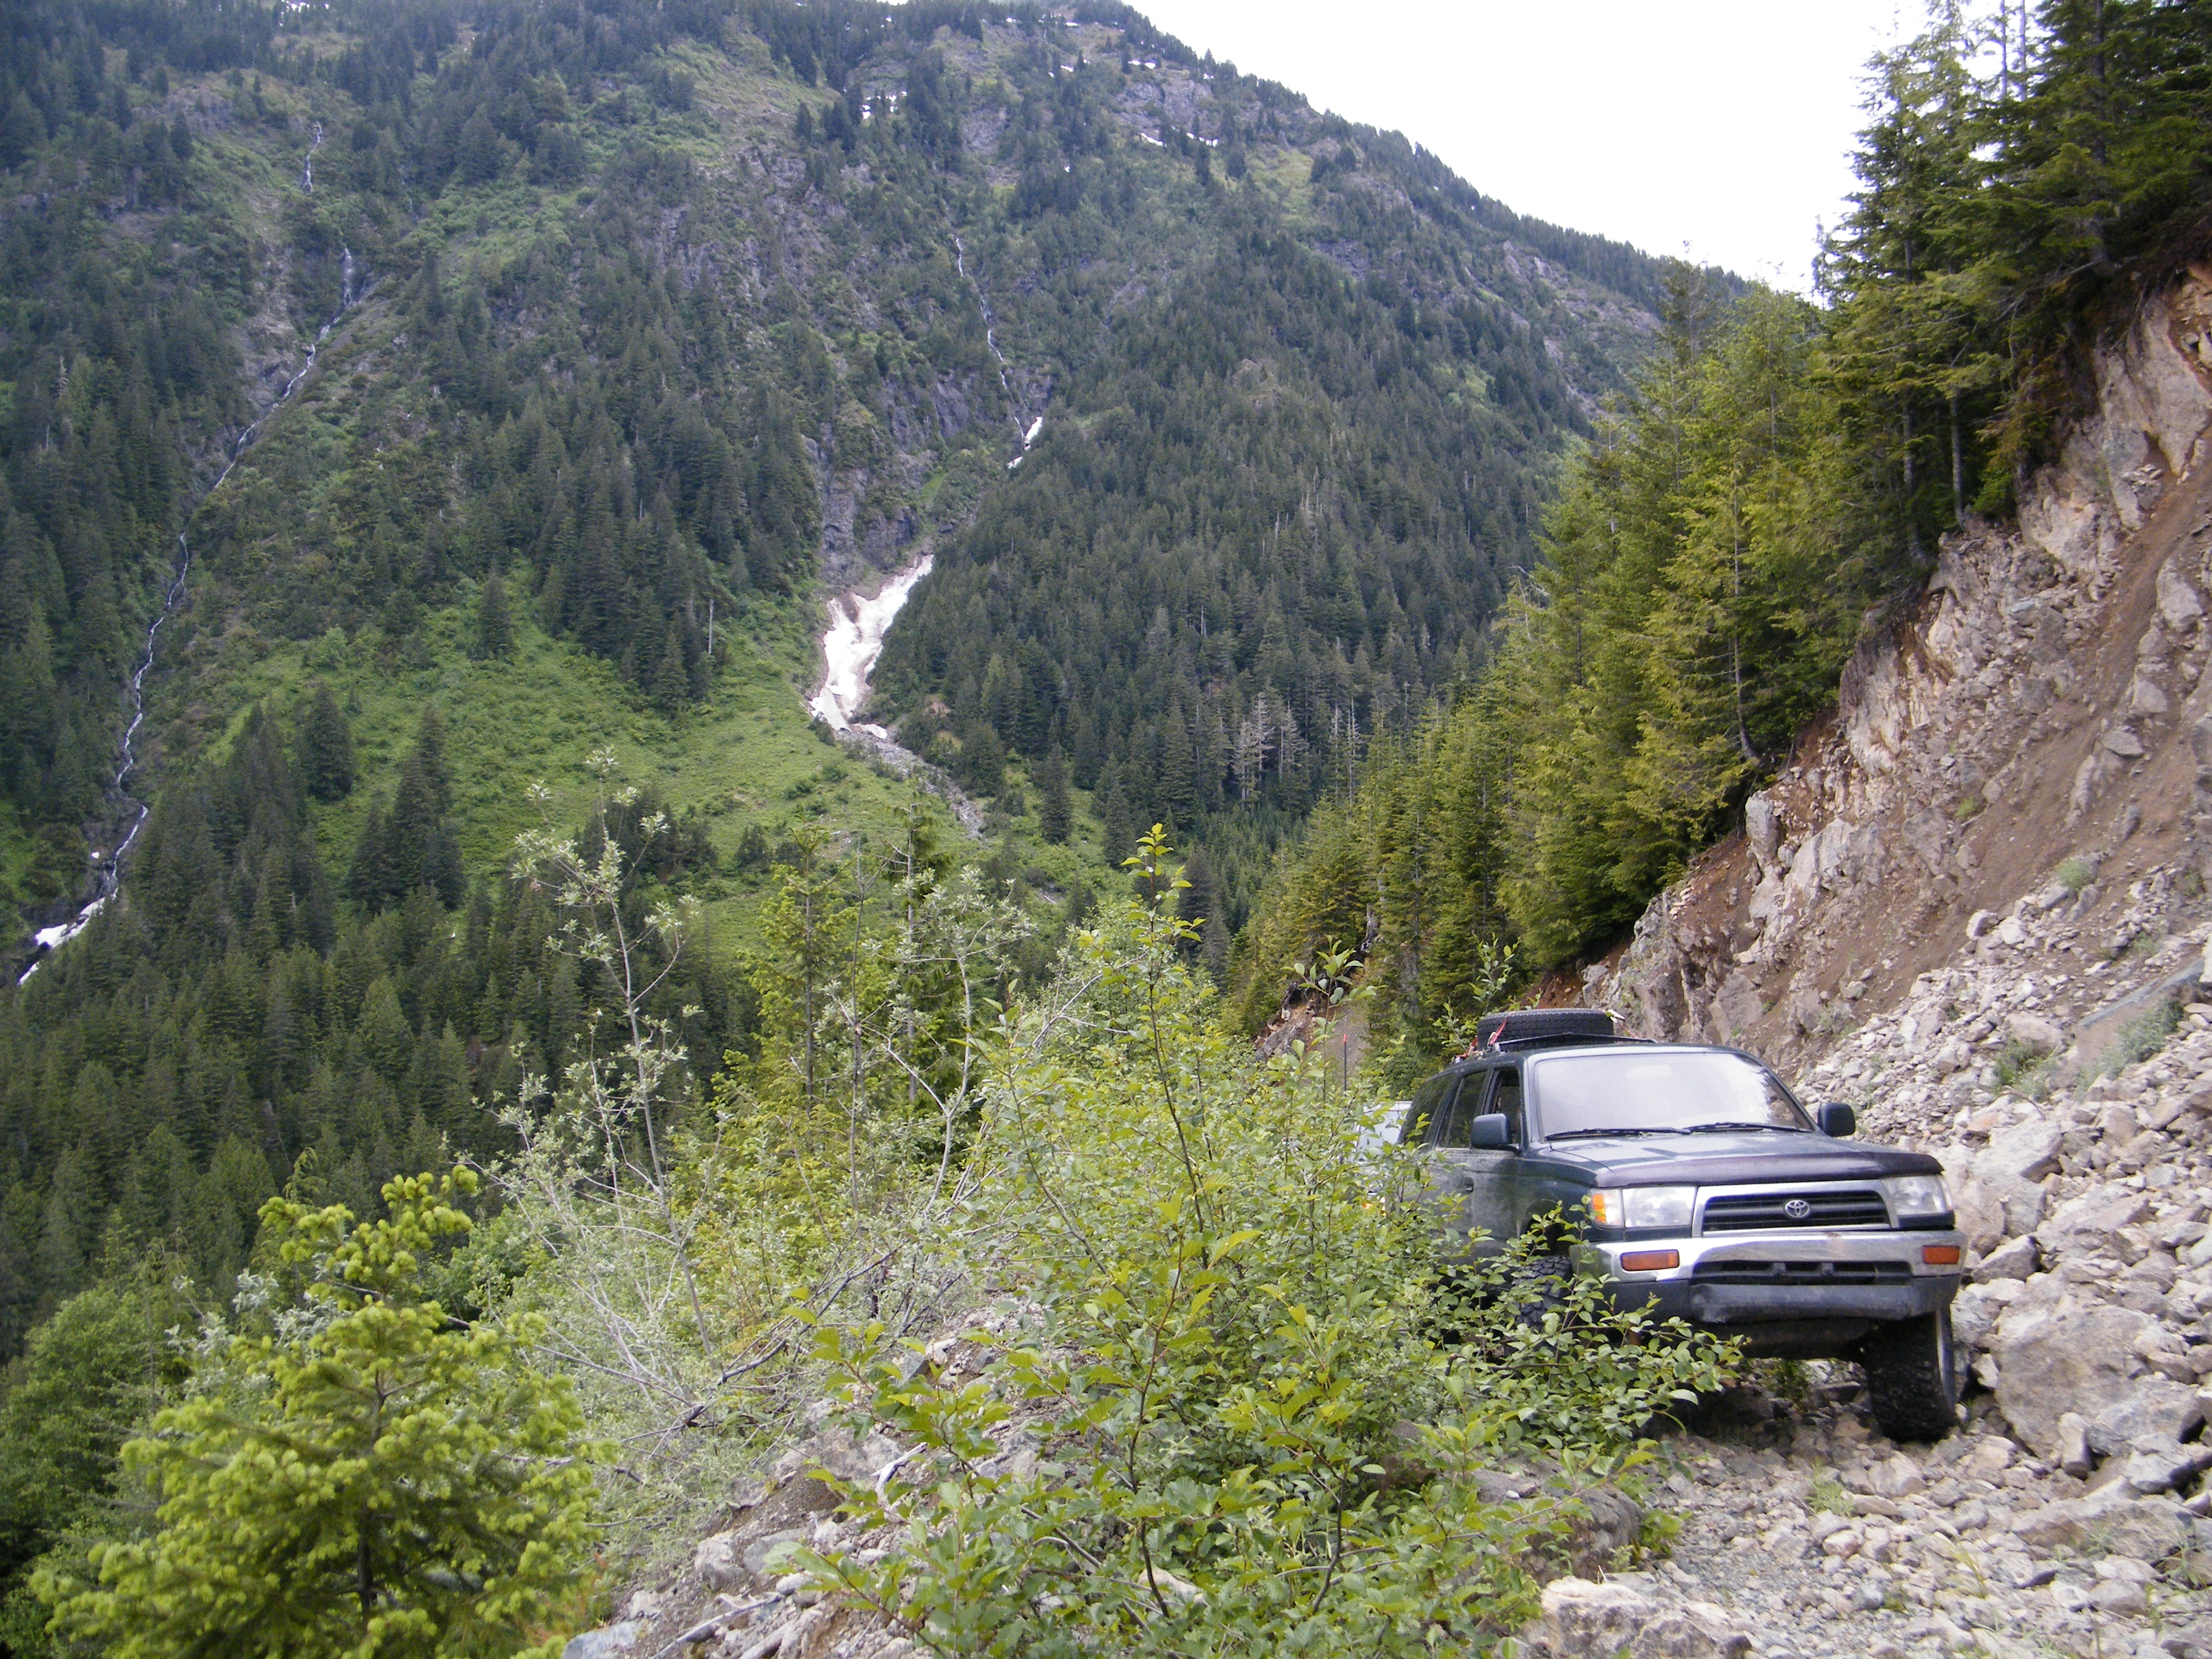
point(1801, 1272)
point(1861, 1207)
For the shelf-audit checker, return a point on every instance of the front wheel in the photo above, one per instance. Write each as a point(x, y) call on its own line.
point(1537, 1286)
point(1913, 1382)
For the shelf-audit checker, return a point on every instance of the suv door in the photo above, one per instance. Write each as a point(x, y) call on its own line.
point(1484, 1183)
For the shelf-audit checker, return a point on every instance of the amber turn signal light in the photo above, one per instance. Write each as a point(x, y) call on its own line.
point(1649, 1261)
point(1940, 1255)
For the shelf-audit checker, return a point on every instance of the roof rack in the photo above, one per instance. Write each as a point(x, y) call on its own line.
point(1555, 1040)
point(1521, 1026)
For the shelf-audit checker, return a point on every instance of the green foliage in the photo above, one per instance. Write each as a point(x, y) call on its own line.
point(375, 1477)
point(2141, 1038)
point(88, 1375)
point(673, 1245)
point(1226, 1311)
point(1781, 474)
point(2025, 1069)
point(1704, 578)
point(324, 750)
point(495, 627)
point(2074, 874)
point(1055, 811)
point(246, 1018)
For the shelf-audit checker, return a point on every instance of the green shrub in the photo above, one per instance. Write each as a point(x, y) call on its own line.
point(1233, 1312)
point(2023, 1069)
point(2074, 874)
point(2141, 1038)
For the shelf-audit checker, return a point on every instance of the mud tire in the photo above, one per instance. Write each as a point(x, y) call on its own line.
point(1541, 1285)
point(1912, 1378)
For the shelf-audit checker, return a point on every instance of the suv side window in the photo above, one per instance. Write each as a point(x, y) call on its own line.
point(1459, 1130)
point(1424, 1120)
point(1505, 1097)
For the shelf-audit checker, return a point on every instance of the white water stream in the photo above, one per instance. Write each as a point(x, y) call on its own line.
point(854, 642)
point(107, 868)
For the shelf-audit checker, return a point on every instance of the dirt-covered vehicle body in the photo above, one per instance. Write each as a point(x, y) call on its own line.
point(1702, 1189)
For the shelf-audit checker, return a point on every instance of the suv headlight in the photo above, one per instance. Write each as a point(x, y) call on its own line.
point(1644, 1206)
point(1916, 1197)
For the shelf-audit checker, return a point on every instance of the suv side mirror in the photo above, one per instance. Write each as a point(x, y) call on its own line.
point(1837, 1121)
point(1488, 1133)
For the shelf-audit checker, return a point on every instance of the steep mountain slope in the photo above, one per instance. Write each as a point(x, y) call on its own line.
point(667, 317)
point(2037, 706)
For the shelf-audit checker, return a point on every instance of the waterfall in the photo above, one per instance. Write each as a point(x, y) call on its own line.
point(991, 339)
point(107, 867)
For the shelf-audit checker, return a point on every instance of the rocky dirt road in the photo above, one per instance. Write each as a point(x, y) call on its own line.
point(1805, 1534)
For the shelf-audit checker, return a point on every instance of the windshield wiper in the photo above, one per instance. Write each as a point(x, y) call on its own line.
point(1585, 1135)
point(1715, 1128)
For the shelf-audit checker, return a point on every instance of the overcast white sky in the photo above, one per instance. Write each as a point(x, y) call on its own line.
point(1723, 124)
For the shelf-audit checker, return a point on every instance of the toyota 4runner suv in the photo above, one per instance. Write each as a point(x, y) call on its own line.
point(1704, 1191)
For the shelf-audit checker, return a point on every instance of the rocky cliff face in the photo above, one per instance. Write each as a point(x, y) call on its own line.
point(2038, 705)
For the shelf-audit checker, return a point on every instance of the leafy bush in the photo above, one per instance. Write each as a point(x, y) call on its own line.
point(2024, 1069)
point(2076, 873)
point(1254, 1435)
point(2141, 1038)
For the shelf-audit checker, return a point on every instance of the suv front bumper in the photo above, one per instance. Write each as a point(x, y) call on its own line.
point(1760, 1279)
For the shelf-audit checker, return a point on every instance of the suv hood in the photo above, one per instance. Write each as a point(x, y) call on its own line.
point(1726, 1160)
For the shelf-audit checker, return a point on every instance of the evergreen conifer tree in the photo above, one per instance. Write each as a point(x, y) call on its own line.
point(325, 749)
point(1055, 812)
point(494, 629)
point(386, 1480)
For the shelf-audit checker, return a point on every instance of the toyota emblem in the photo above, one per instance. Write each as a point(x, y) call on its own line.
point(1797, 1209)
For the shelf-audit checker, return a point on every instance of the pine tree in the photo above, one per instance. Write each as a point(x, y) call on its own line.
point(324, 748)
point(494, 630)
point(387, 1479)
point(1055, 811)
point(670, 684)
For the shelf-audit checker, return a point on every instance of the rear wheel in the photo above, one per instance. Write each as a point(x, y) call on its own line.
point(1913, 1383)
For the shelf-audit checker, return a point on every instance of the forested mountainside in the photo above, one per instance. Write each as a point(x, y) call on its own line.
point(427, 425)
point(661, 316)
point(438, 422)
point(1774, 494)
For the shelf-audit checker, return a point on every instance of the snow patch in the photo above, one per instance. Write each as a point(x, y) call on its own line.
point(855, 641)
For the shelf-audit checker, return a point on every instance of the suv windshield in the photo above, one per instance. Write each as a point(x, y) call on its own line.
point(1628, 1090)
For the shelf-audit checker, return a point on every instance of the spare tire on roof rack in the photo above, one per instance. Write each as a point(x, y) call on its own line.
point(1522, 1025)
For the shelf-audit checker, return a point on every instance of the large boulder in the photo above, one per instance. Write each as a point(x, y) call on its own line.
point(2089, 1224)
point(2015, 1260)
point(1587, 1621)
point(851, 1458)
point(2158, 1462)
point(1695, 1630)
point(2034, 1031)
point(616, 1641)
point(1584, 1619)
point(2012, 1168)
point(2113, 1520)
point(2154, 1406)
point(1976, 1309)
point(2059, 1356)
point(1979, 1214)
